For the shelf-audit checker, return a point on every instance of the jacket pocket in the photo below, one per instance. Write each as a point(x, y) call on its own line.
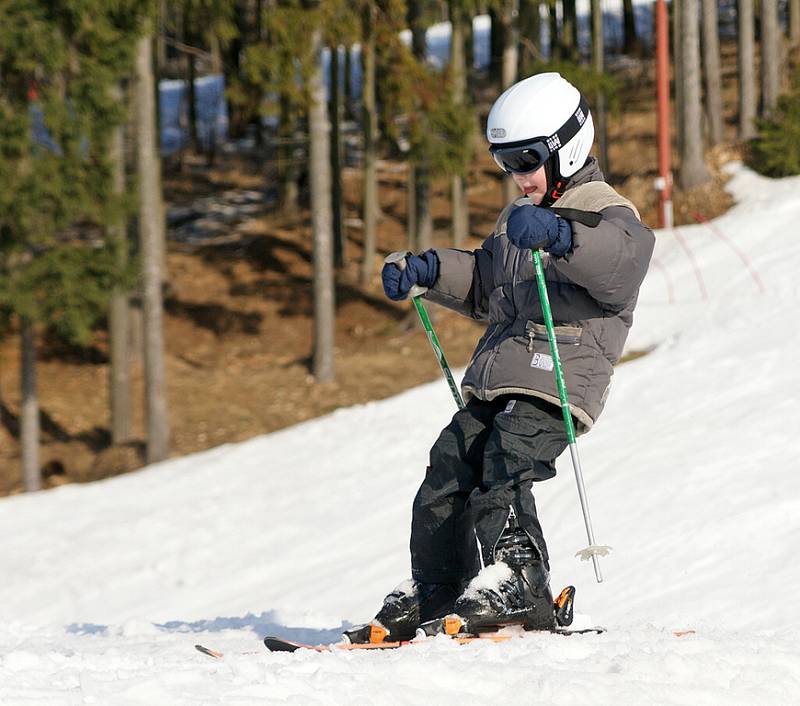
point(565, 335)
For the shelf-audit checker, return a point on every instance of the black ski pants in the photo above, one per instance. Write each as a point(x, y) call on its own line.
point(482, 468)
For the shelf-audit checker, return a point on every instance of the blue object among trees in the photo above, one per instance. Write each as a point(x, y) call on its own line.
point(212, 113)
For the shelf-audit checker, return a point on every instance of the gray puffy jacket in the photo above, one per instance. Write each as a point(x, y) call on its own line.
point(592, 291)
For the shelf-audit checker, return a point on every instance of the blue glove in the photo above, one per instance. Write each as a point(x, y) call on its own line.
point(534, 228)
point(420, 269)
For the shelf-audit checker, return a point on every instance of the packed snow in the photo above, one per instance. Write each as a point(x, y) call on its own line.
point(691, 473)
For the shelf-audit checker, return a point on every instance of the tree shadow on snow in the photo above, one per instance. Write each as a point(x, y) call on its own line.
point(262, 625)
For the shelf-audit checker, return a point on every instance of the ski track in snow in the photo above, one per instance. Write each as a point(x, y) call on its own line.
point(691, 473)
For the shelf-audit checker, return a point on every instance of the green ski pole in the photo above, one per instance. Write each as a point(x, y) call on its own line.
point(593, 550)
point(399, 259)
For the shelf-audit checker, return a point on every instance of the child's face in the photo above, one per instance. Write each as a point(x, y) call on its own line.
point(533, 184)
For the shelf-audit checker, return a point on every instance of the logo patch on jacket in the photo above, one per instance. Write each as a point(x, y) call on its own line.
point(542, 361)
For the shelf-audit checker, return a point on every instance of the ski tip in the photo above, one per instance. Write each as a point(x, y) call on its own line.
point(208, 651)
point(278, 644)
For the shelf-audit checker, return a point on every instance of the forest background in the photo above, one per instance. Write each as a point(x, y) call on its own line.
point(156, 302)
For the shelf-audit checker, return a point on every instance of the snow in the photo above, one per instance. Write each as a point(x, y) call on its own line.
point(490, 577)
point(691, 473)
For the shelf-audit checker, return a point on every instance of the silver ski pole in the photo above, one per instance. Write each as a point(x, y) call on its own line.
point(594, 550)
point(399, 259)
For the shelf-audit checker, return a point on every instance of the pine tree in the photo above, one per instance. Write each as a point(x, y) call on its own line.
point(59, 64)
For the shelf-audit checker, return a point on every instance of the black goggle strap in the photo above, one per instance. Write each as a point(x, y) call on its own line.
point(570, 128)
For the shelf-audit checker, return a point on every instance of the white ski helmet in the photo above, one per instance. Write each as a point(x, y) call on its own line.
point(542, 119)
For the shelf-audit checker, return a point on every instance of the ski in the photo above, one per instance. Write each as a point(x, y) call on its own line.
point(279, 644)
point(455, 626)
point(373, 636)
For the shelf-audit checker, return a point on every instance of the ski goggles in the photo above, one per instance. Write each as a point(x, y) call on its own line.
point(519, 159)
point(528, 155)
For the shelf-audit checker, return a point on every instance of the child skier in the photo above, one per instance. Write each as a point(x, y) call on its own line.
point(474, 516)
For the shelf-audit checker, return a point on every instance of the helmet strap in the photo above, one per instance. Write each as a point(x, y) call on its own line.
point(556, 184)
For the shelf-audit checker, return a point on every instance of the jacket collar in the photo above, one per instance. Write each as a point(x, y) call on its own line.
point(588, 172)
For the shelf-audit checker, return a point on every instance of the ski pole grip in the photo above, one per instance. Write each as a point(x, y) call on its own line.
point(398, 258)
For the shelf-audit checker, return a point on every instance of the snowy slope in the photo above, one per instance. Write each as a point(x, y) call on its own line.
point(692, 475)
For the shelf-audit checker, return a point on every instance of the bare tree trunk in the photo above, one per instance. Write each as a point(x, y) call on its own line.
point(495, 43)
point(191, 75)
point(151, 238)
point(794, 22)
point(288, 169)
point(530, 36)
point(598, 63)
point(569, 31)
point(118, 320)
point(747, 73)
point(711, 69)
point(423, 218)
point(29, 413)
point(232, 55)
point(770, 56)
point(555, 45)
point(320, 182)
point(161, 42)
point(459, 207)
point(216, 54)
point(369, 122)
point(335, 111)
point(411, 207)
point(630, 42)
point(422, 201)
point(510, 48)
point(348, 82)
point(136, 328)
point(458, 67)
point(677, 54)
point(693, 169)
point(509, 76)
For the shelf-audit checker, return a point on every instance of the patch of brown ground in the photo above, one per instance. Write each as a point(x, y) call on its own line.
point(239, 326)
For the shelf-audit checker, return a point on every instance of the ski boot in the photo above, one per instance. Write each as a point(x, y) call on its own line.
point(513, 590)
point(403, 610)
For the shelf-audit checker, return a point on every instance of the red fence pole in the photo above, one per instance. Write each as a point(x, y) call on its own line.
point(664, 181)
